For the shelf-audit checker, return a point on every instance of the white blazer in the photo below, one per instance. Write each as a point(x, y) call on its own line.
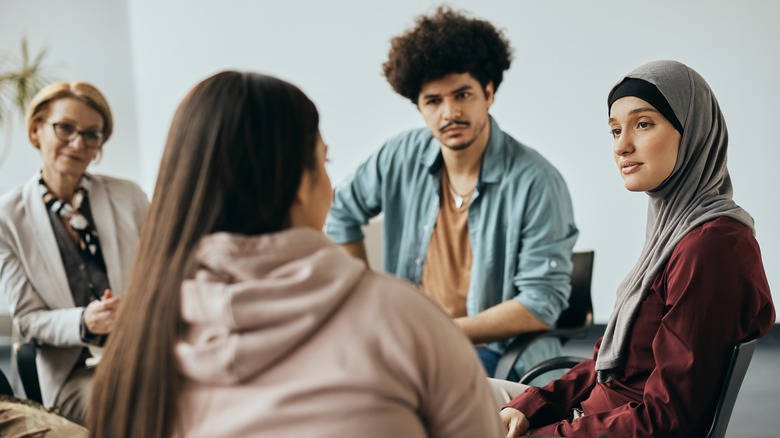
point(33, 276)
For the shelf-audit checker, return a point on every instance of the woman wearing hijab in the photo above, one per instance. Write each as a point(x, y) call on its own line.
point(248, 321)
point(67, 242)
point(698, 287)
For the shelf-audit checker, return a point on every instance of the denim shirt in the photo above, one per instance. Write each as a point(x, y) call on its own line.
point(520, 222)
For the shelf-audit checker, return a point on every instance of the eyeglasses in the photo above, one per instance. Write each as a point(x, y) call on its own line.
point(67, 132)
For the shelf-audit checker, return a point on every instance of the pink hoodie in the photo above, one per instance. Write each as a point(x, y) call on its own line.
point(287, 335)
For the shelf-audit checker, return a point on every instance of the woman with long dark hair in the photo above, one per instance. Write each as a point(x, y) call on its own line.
point(242, 319)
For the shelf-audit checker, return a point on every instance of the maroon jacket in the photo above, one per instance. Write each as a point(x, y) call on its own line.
point(712, 294)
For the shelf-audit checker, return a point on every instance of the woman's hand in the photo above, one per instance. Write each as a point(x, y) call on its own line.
point(99, 316)
point(515, 422)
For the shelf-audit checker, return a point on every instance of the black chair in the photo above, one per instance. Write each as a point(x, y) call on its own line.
point(574, 322)
point(5, 386)
point(735, 373)
point(552, 364)
point(28, 370)
point(738, 366)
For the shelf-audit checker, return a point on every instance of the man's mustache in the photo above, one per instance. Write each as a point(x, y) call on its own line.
point(454, 122)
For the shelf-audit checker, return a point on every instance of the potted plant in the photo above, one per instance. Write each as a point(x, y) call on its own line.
point(21, 77)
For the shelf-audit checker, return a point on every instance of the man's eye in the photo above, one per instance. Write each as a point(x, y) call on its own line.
point(615, 132)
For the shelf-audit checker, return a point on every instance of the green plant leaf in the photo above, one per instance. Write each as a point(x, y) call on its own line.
point(20, 82)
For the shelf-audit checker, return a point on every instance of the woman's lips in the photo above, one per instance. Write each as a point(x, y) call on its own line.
point(629, 167)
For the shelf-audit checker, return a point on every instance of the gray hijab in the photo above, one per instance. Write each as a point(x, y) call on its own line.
point(697, 191)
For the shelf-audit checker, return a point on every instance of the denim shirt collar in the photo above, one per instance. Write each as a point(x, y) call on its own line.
point(493, 162)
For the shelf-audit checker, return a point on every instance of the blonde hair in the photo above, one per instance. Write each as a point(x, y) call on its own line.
point(81, 91)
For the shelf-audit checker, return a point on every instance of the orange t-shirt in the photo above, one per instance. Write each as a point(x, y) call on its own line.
point(447, 271)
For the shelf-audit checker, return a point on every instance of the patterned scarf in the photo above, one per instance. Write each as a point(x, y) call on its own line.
point(72, 213)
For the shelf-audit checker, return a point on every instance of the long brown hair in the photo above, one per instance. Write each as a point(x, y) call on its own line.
point(235, 154)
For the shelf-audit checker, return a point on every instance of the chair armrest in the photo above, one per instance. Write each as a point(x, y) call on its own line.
point(556, 363)
point(513, 351)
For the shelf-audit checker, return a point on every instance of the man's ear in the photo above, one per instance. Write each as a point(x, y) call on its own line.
point(490, 93)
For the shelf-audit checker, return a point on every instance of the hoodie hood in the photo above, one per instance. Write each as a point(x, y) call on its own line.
point(254, 300)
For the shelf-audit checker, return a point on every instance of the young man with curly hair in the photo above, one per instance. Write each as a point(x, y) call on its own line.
point(483, 224)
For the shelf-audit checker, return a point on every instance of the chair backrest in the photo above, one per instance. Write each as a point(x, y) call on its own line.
point(735, 374)
point(574, 322)
point(28, 370)
point(5, 386)
point(580, 311)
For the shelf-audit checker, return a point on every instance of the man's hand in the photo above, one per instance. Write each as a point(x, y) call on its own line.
point(515, 422)
point(99, 316)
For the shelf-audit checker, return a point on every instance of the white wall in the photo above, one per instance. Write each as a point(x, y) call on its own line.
point(568, 54)
point(87, 40)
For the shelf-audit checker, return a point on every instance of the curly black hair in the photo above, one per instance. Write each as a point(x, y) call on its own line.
point(445, 43)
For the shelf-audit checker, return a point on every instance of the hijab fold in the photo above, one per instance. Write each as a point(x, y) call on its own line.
point(697, 191)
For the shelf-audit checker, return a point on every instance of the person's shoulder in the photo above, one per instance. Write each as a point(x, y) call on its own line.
point(714, 237)
point(393, 294)
point(112, 181)
point(524, 158)
point(12, 204)
point(412, 135)
point(407, 149)
point(409, 142)
point(376, 282)
point(722, 247)
point(12, 198)
point(720, 255)
point(117, 185)
point(404, 318)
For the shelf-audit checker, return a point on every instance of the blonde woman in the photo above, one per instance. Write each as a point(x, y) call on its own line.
point(67, 241)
